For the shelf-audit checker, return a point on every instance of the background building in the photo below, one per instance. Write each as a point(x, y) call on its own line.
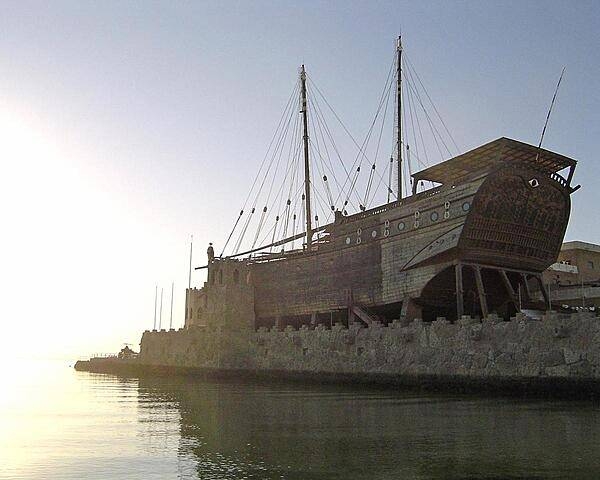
point(574, 280)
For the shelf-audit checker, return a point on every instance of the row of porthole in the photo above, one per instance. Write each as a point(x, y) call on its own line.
point(434, 216)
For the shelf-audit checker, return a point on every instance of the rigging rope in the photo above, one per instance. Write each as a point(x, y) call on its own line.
point(231, 234)
point(410, 65)
point(260, 224)
point(361, 154)
point(243, 232)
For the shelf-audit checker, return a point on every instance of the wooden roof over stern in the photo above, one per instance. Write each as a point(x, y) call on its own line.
point(485, 157)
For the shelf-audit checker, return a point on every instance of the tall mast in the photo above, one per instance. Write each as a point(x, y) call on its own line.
point(399, 113)
point(304, 112)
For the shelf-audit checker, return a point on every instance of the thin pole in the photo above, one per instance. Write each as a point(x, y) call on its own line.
point(304, 112)
point(160, 315)
point(190, 271)
point(399, 113)
point(187, 292)
point(171, 317)
point(155, 298)
point(549, 112)
point(582, 290)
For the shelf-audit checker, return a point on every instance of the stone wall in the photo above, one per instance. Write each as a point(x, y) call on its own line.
point(555, 346)
point(225, 300)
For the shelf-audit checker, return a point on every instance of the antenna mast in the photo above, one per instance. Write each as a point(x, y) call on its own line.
point(304, 111)
point(549, 113)
point(399, 113)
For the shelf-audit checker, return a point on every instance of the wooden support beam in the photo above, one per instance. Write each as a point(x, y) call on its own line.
point(509, 289)
point(480, 290)
point(410, 310)
point(544, 291)
point(527, 289)
point(364, 316)
point(460, 307)
point(350, 301)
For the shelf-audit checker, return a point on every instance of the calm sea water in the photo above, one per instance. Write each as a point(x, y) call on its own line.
point(56, 423)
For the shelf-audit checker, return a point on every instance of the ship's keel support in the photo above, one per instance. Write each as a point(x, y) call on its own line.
point(479, 289)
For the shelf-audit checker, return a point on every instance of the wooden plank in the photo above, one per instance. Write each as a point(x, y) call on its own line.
point(460, 308)
point(480, 290)
point(509, 289)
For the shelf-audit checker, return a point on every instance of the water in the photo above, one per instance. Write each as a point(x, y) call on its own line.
point(56, 423)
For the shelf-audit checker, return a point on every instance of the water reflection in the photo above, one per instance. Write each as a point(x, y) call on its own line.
point(242, 430)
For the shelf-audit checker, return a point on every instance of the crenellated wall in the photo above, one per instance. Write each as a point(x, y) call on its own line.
point(555, 346)
point(225, 300)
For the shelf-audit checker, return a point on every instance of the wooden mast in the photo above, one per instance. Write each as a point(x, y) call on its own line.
point(399, 114)
point(304, 111)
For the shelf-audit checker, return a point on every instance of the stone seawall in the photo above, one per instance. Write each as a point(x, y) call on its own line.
point(554, 347)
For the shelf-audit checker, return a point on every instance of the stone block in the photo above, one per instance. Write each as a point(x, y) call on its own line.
point(467, 320)
point(504, 363)
point(560, 331)
point(557, 370)
point(551, 316)
point(480, 361)
point(581, 369)
point(475, 332)
point(493, 318)
point(416, 324)
point(571, 356)
point(552, 358)
point(356, 326)
point(407, 336)
point(424, 337)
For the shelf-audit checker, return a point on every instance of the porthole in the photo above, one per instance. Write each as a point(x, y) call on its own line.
point(401, 226)
point(434, 216)
point(358, 240)
point(416, 224)
point(386, 232)
point(447, 205)
point(466, 206)
point(348, 240)
point(446, 215)
point(359, 231)
point(534, 182)
point(374, 234)
point(387, 224)
point(417, 214)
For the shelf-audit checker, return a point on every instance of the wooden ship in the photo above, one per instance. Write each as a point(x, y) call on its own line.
point(475, 243)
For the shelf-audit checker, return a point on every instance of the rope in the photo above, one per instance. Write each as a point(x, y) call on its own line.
point(243, 232)
point(260, 224)
point(231, 234)
point(432, 104)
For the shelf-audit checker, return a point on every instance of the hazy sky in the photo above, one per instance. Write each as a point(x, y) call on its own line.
point(127, 126)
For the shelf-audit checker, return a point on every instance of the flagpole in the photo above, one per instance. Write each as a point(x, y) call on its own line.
point(171, 317)
point(160, 315)
point(187, 292)
point(155, 298)
point(190, 272)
